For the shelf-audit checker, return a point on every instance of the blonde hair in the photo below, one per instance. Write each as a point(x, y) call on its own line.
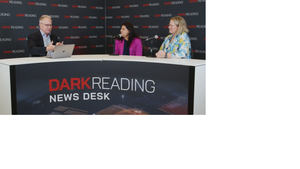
point(43, 17)
point(180, 22)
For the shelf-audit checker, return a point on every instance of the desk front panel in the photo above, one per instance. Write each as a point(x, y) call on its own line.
point(102, 87)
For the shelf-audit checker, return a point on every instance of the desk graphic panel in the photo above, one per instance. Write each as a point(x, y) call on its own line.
point(101, 88)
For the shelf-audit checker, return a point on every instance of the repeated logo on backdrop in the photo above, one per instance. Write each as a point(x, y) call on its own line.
point(73, 23)
point(90, 25)
point(152, 18)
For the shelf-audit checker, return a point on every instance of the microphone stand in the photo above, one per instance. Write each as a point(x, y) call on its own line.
point(151, 50)
point(113, 44)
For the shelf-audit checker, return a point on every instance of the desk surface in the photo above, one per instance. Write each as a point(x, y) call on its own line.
point(97, 57)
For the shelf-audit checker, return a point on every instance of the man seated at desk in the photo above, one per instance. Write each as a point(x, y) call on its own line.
point(43, 42)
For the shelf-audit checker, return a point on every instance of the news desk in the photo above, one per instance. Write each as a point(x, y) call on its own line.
point(102, 85)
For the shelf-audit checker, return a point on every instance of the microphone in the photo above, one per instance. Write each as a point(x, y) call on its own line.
point(154, 37)
point(117, 36)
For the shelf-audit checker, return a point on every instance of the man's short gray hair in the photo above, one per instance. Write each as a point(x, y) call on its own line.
point(43, 17)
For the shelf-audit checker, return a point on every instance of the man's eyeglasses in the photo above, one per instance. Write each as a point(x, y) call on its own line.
point(48, 25)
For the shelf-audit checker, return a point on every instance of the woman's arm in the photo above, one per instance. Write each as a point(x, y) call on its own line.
point(139, 47)
point(161, 51)
point(116, 47)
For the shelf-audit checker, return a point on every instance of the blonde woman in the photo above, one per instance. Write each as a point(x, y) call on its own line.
point(177, 44)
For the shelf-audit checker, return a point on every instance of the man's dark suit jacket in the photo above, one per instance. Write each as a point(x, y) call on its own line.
point(36, 44)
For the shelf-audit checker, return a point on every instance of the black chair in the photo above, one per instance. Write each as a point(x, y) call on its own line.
point(144, 51)
point(192, 54)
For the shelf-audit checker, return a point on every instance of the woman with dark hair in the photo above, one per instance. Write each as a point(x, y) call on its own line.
point(129, 43)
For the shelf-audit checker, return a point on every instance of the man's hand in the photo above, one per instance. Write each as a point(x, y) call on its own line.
point(60, 43)
point(50, 47)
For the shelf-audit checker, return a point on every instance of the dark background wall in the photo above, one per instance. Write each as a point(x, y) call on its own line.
point(74, 21)
point(90, 24)
point(151, 17)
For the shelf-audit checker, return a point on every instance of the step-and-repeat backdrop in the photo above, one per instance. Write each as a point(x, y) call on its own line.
point(90, 24)
point(74, 22)
point(151, 17)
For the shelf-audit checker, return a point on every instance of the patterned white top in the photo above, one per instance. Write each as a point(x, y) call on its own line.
point(180, 47)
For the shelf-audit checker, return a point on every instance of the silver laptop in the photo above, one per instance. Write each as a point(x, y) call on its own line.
point(62, 51)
